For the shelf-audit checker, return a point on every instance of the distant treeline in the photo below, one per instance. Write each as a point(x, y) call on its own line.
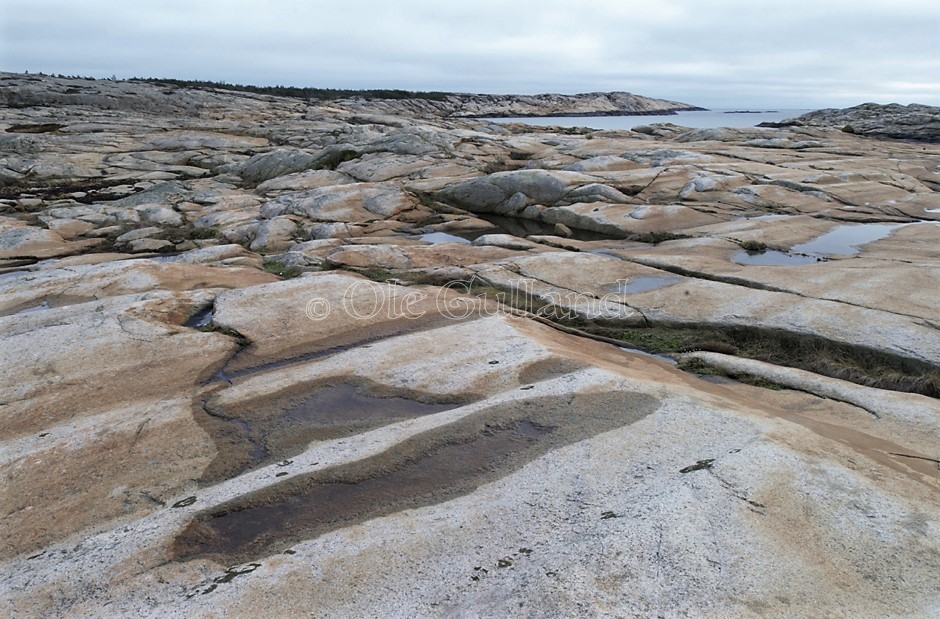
point(300, 93)
point(328, 94)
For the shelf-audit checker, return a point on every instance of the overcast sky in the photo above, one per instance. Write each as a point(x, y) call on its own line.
point(714, 53)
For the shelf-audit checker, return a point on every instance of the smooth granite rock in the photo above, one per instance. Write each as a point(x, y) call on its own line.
point(373, 357)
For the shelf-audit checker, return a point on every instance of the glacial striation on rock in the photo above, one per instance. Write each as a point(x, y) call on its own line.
point(266, 356)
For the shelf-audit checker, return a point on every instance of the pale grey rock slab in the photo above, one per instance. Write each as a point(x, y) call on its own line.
point(150, 245)
point(274, 234)
point(18, 241)
point(349, 203)
point(506, 241)
point(266, 166)
point(138, 233)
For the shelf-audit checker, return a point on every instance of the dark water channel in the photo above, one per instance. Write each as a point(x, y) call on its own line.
point(426, 469)
point(280, 426)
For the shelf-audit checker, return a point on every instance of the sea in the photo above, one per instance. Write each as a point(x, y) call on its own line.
point(707, 119)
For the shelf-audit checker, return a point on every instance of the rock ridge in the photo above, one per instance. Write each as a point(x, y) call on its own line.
point(541, 105)
point(895, 121)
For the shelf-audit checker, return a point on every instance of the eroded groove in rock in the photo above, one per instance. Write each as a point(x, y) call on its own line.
point(857, 364)
point(275, 427)
point(427, 469)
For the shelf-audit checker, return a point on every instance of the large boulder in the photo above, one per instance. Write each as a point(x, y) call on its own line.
point(274, 234)
point(487, 194)
point(20, 241)
point(355, 202)
point(281, 161)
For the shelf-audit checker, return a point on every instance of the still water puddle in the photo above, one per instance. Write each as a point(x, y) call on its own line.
point(345, 404)
point(331, 503)
point(425, 469)
point(202, 318)
point(442, 237)
point(840, 241)
point(772, 257)
point(280, 426)
point(845, 240)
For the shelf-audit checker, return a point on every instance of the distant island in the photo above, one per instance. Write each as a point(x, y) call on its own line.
point(468, 105)
point(437, 103)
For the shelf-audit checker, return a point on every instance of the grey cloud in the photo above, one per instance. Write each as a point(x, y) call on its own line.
point(720, 53)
